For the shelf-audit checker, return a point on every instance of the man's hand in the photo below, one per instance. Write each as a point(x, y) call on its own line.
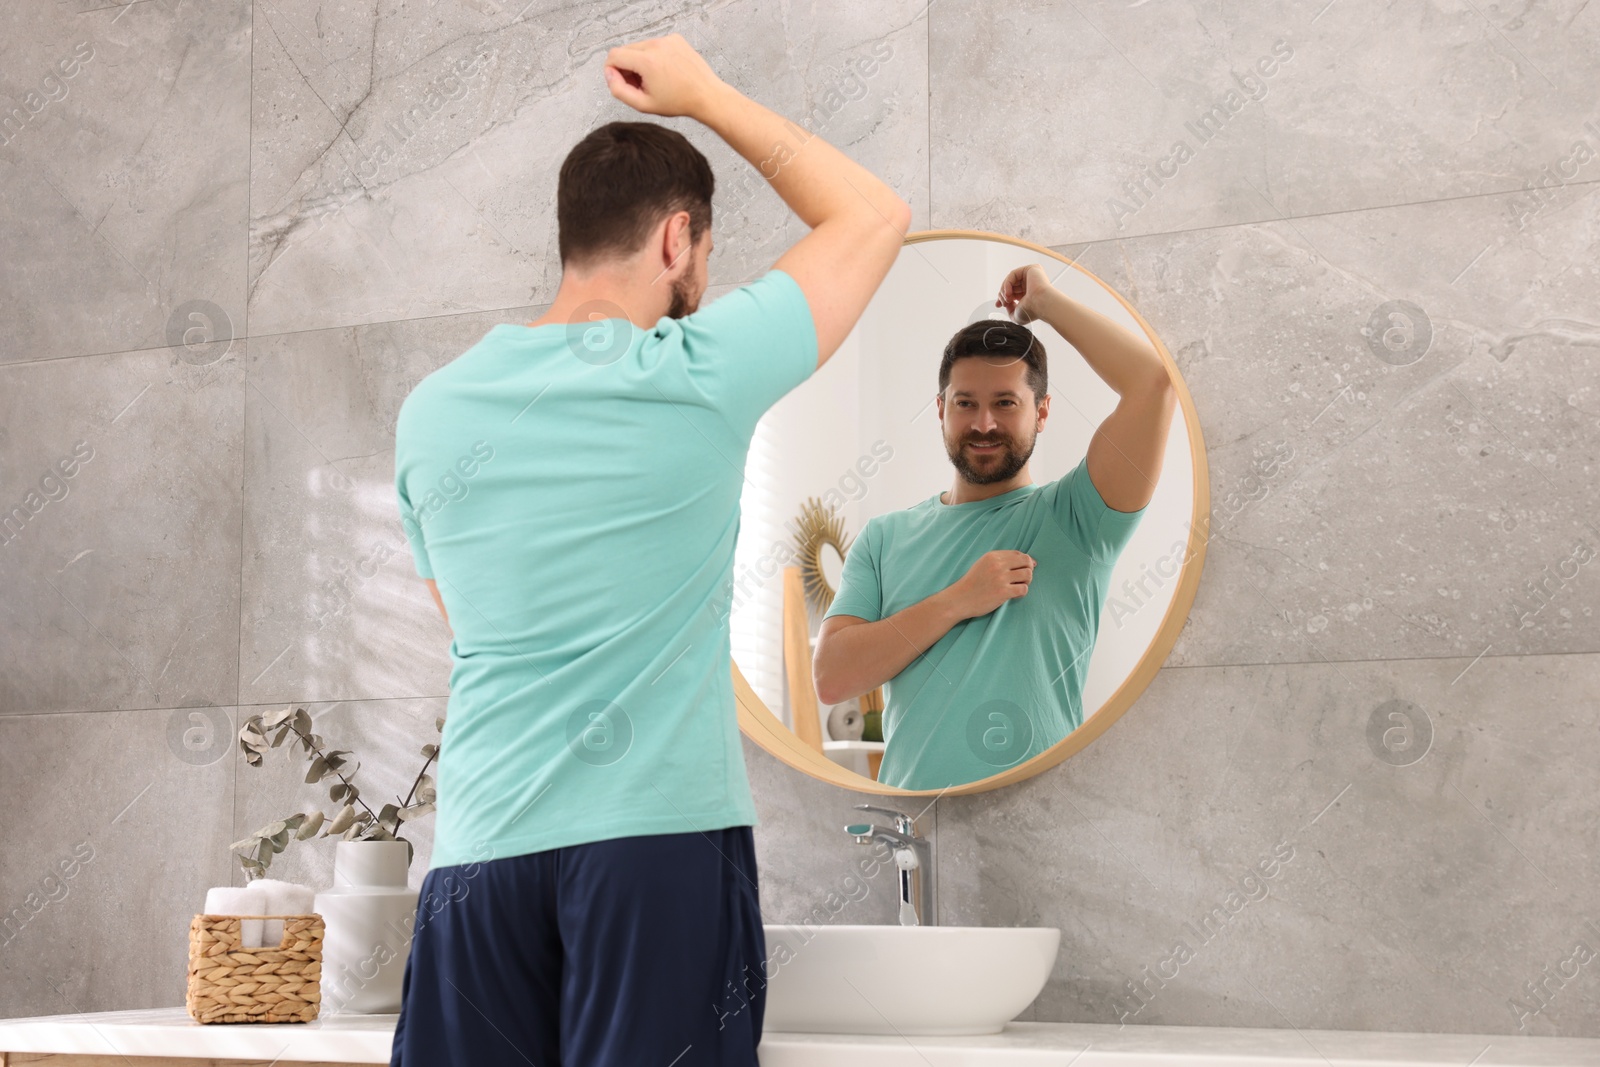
point(997, 577)
point(661, 76)
point(1021, 291)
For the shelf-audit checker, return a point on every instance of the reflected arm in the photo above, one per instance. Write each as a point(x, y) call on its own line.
point(433, 587)
point(1126, 452)
point(855, 656)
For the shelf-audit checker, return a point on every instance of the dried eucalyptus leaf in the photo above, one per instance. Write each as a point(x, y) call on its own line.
point(248, 842)
point(319, 770)
point(310, 826)
point(438, 724)
point(416, 811)
point(337, 793)
point(342, 821)
point(276, 718)
point(430, 751)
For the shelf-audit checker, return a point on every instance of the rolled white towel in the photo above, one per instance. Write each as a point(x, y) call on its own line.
point(234, 900)
point(280, 898)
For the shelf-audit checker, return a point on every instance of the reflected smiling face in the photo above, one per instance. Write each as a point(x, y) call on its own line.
point(989, 418)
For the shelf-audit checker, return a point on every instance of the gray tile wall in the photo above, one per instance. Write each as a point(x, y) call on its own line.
point(236, 234)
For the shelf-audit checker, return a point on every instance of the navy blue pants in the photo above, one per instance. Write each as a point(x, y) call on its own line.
point(635, 952)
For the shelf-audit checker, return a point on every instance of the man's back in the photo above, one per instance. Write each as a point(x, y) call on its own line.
point(578, 509)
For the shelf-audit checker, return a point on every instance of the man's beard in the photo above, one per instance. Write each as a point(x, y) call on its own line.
point(683, 300)
point(992, 467)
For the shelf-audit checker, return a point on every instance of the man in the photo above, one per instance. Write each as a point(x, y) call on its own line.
point(570, 488)
point(983, 664)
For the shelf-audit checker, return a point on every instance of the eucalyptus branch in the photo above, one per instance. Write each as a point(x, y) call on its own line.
point(313, 747)
point(347, 822)
point(406, 803)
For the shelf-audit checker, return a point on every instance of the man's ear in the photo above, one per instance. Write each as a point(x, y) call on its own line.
point(677, 250)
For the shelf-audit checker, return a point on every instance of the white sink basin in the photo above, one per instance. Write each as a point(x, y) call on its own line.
point(904, 979)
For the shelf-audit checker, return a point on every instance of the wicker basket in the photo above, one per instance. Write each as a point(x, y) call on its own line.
point(229, 983)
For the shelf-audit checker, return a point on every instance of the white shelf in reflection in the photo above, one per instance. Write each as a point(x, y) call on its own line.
point(852, 746)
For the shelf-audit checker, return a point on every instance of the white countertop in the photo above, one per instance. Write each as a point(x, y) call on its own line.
point(367, 1038)
point(1108, 1045)
point(173, 1032)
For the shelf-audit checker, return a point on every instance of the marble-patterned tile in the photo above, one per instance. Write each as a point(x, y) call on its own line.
point(118, 823)
point(1400, 429)
point(331, 605)
point(124, 166)
point(1124, 119)
point(383, 737)
point(1359, 845)
point(406, 165)
point(119, 538)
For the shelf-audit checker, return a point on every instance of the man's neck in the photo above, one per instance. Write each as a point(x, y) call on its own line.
point(966, 492)
point(601, 297)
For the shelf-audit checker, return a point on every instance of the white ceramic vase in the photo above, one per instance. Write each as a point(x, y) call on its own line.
point(367, 919)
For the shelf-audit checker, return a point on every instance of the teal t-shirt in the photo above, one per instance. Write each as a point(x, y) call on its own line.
point(999, 688)
point(574, 491)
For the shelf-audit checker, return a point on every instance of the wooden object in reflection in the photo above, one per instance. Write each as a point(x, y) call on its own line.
point(797, 663)
point(873, 701)
point(797, 660)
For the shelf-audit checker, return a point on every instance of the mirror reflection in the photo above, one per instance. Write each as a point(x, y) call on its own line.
point(960, 538)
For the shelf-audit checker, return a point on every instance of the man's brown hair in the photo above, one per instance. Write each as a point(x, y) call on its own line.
point(998, 339)
point(618, 183)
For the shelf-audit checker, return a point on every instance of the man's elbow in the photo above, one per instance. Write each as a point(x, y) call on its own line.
point(900, 217)
point(823, 681)
point(1161, 385)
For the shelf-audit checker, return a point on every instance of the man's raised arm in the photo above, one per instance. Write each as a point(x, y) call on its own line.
point(1125, 455)
point(857, 222)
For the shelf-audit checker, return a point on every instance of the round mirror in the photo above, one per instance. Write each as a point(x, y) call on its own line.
point(848, 517)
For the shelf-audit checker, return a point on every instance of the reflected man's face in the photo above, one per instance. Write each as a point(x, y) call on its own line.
point(989, 417)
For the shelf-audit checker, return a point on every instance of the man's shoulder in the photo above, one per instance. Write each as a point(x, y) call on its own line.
point(434, 385)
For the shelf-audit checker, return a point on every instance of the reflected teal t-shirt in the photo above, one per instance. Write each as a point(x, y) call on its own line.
point(999, 688)
point(574, 491)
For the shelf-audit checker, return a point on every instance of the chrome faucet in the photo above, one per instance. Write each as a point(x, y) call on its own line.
point(913, 855)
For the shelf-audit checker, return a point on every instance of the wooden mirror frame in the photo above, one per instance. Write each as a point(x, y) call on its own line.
point(757, 722)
